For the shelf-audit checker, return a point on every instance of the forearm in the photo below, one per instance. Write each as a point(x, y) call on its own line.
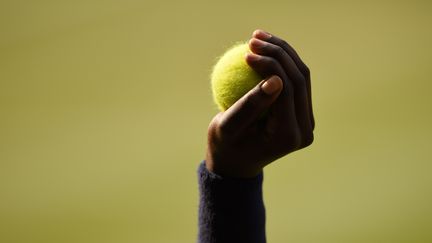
point(231, 210)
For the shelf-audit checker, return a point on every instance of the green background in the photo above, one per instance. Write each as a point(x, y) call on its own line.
point(104, 108)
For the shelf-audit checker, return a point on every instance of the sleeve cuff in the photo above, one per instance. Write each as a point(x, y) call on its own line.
point(231, 209)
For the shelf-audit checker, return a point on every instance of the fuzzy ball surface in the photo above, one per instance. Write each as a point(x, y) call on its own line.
point(232, 77)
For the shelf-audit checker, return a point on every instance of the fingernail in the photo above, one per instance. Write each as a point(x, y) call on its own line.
point(261, 34)
point(257, 43)
point(271, 85)
point(252, 57)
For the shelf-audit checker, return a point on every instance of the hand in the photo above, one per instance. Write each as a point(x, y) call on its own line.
point(273, 119)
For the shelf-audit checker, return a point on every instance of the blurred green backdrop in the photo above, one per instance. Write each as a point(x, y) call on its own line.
point(104, 107)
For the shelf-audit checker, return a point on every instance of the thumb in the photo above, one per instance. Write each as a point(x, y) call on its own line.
point(252, 105)
point(271, 86)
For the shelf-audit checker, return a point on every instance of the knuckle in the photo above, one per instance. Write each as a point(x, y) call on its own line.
point(306, 71)
point(297, 141)
point(214, 122)
point(308, 139)
point(277, 51)
point(223, 129)
point(292, 140)
point(214, 128)
point(284, 44)
point(271, 61)
point(300, 81)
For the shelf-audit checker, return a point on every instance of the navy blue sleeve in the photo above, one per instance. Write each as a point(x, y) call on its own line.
point(230, 210)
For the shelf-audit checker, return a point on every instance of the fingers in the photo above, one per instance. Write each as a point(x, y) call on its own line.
point(250, 107)
point(262, 35)
point(267, 37)
point(300, 91)
point(284, 107)
point(268, 49)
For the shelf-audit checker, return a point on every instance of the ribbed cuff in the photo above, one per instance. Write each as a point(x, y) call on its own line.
point(231, 209)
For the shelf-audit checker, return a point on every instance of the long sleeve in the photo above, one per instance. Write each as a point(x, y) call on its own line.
point(230, 210)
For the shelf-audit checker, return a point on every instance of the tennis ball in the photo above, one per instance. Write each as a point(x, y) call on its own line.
point(232, 77)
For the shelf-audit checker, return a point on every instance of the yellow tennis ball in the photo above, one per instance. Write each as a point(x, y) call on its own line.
point(232, 77)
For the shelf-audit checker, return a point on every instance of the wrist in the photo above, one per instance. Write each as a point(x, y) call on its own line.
point(232, 169)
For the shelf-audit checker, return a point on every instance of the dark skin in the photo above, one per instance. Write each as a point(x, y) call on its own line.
point(270, 121)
